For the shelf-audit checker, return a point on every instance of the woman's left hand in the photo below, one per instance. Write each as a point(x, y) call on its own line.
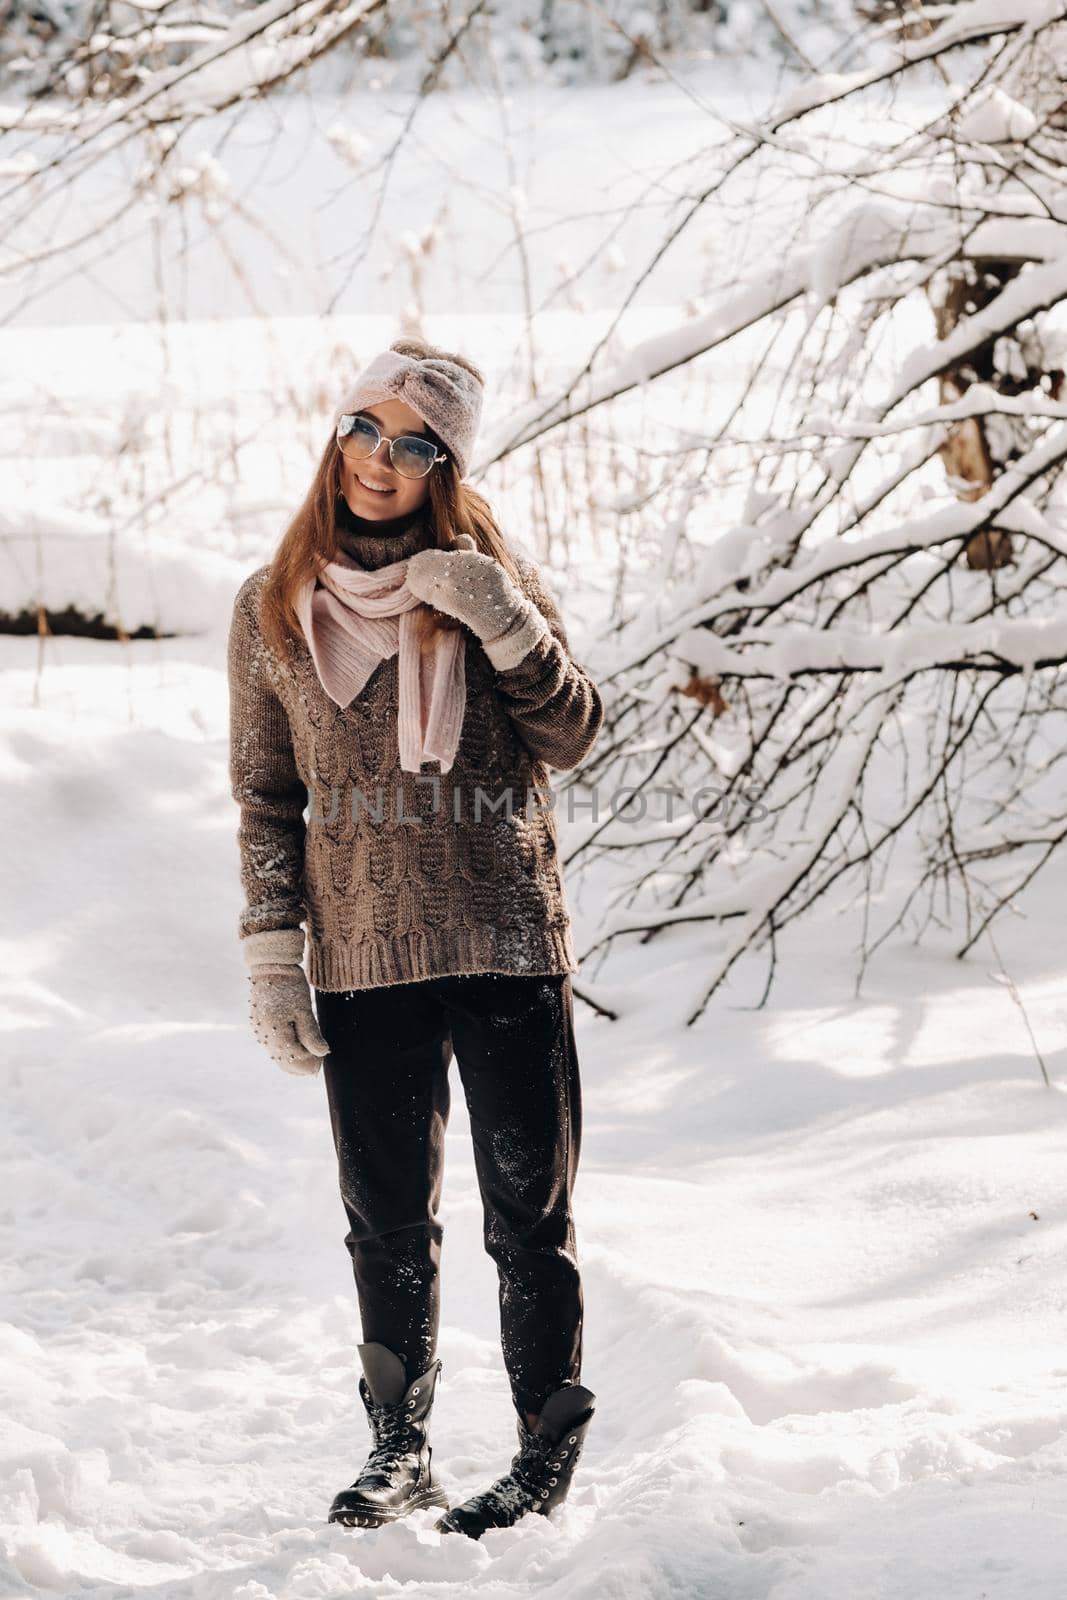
point(469, 585)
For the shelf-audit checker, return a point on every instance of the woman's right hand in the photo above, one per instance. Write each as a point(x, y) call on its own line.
point(280, 1008)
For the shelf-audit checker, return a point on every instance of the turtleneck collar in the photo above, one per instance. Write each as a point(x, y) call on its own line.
point(375, 542)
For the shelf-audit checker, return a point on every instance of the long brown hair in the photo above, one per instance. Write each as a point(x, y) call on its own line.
point(310, 540)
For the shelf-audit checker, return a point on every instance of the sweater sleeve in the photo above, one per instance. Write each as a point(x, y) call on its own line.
point(265, 783)
point(551, 699)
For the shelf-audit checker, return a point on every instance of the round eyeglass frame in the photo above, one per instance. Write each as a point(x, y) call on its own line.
point(345, 424)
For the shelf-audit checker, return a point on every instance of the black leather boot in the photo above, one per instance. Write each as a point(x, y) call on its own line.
point(541, 1469)
point(396, 1477)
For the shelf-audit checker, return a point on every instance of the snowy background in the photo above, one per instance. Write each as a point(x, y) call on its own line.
point(822, 1241)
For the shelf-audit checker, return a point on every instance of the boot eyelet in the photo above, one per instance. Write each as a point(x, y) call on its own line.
point(553, 1480)
point(553, 1463)
point(572, 1438)
point(415, 1390)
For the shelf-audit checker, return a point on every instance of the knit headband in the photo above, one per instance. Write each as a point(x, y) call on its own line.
point(445, 394)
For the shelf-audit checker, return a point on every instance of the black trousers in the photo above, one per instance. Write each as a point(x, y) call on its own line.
point(387, 1085)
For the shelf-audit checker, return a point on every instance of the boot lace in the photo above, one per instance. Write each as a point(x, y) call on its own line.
point(530, 1466)
point(391, 1435)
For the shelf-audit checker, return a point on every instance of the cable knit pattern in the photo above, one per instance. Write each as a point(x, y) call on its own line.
point(427, 888)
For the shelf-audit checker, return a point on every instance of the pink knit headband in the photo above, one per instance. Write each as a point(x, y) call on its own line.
point(445, 394)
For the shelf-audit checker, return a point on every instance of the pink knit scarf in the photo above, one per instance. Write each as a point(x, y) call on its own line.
point(354, 618)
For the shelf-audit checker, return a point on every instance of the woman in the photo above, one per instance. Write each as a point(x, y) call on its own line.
point(400, 669)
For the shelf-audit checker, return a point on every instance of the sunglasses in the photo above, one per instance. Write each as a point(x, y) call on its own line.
point(411, 455)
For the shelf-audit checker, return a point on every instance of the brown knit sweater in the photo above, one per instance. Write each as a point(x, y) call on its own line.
point(400, 875)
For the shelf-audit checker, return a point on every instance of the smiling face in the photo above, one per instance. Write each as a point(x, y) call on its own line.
point(373, 487)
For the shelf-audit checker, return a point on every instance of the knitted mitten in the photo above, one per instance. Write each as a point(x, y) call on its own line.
point(475, 588)
point(280, 1000)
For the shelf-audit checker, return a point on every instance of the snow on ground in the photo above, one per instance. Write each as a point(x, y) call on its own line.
point(822, 1243)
